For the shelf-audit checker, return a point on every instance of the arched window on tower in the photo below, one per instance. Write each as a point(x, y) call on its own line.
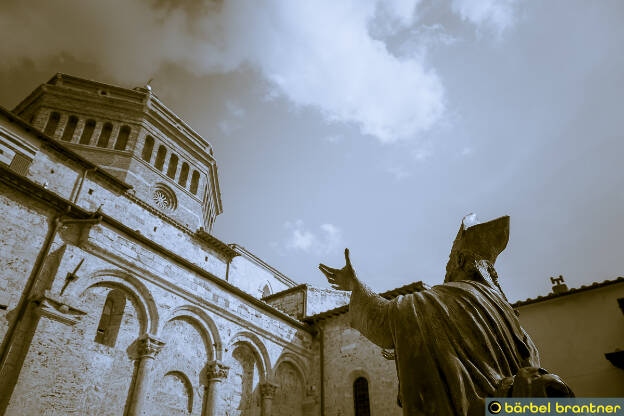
point(194, 182)
point(122, 139)
point(105, 135)
point(53, 122)
point(360, 397)
point(87, 132)
point(110, 321)
point(160, 157)
point(173, 166)
point(70, 129)
point(183, 174)
point(148, 148)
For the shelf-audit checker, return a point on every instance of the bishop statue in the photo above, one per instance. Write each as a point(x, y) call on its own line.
point(456, 343)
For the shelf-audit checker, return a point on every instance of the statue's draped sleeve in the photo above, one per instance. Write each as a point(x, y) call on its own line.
point(454, 343)
point(370, 315)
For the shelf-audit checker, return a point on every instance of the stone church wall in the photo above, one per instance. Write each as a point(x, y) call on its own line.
point(180, 327)
point(348, 355)
point(56, 173)
point(251, 278)
point(320, 299)
point(20, 241)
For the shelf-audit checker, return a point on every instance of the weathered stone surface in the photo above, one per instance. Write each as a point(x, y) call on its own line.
point(125, 314)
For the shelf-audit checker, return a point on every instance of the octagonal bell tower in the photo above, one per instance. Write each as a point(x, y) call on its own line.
point(134, 136)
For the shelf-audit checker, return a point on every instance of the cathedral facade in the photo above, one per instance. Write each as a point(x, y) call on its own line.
point(115, 298)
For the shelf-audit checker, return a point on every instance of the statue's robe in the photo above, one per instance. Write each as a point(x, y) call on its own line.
point(453, 344)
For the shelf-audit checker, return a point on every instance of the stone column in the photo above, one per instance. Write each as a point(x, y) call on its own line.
point(216, 372)
point(267, 391)
point(308, 406)
point(147, 348)
point(309, 403)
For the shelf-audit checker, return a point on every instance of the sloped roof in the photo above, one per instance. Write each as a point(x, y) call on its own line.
point(595, 285)
point(403, 290)
point(418, 286)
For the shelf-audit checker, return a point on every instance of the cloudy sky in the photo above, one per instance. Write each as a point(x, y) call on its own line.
point(374, 125)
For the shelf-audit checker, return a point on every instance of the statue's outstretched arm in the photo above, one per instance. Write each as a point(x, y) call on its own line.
point(368, 310)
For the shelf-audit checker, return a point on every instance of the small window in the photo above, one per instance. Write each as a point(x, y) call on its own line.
point(105, 135)
point(70, 129)
point(53, 122)
point(173, 166)
point(110, 321)
point(360, 397)
point(148, 148)
point(160, 157)
point(87, 132)
point(122, 139)
point(183, 174)
point(194, 182)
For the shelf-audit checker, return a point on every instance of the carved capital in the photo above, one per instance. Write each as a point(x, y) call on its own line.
point(267, 390)
point(149, 346)
point(216, 370)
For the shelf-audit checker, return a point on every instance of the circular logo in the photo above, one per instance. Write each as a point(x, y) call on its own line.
point(495, 407)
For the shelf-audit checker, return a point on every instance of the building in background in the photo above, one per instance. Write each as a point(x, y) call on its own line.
point(115, 299)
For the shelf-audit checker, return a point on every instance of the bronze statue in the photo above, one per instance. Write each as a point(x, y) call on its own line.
point(456, 343)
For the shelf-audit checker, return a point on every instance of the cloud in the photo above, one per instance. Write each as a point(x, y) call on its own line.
point(467, 151)
point(398, 172)
point(326, 240)
point(317, 54)
point(497, 15)
point(234, 109)
point(423, 152)
point(232, 121)
point(324, 54)
point(333, 138)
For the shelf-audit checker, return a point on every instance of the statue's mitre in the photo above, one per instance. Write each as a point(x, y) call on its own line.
point(487, 240)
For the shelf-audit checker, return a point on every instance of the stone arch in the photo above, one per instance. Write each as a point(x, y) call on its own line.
point(296, 362)
point(257, 347)
point(290, 394)
point(359, 372)
point(353, 376)
point(188, 387)
point(137, 293)
point(208, 328)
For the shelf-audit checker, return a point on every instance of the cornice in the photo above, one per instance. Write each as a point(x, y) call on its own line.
point(61, 205)
point(64, 151)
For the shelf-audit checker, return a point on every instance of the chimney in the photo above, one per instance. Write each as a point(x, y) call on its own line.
point(558, 285)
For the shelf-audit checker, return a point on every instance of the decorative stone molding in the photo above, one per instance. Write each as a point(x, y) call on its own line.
point(216, 370)
point(164, 198)
point(57, 309)
point(149, 346)
point(267, 390)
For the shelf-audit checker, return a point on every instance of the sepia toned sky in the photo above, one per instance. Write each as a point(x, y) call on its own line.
point(374, 125)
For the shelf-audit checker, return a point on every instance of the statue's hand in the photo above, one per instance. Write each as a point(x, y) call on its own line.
point(340, 279)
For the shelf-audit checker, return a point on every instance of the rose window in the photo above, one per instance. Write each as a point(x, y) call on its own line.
point(161, 200)
point(164, 198)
